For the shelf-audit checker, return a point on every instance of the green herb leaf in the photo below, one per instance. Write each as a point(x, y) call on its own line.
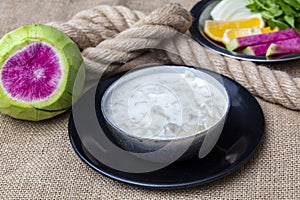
point(267, 15)
point(279, 23)
point(253, 7)
point(283, 14)
point(290, 20)
point(287, 9)
point(293, 3)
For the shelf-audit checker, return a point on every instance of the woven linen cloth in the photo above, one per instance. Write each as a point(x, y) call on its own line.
point(38, 162)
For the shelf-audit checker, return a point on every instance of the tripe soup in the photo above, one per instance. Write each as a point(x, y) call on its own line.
point(165, 104)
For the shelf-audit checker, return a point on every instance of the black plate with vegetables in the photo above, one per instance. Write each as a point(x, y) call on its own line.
point(202, 12)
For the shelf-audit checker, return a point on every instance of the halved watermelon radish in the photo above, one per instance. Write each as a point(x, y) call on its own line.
point(38, 67)
point(243, 42)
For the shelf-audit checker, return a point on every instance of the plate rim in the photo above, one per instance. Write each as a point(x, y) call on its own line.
point(229, 170)
point(198, 35)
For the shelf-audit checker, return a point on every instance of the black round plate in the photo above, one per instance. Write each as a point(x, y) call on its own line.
point(240, 138)
point(201, 12)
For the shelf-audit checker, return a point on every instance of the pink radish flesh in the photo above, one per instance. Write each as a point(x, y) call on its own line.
point(243, 42)
point(284, 47)
point(280, 47)
point(256, 50)
point(32, 73)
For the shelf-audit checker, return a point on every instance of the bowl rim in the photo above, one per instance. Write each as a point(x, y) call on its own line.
point(202, 132)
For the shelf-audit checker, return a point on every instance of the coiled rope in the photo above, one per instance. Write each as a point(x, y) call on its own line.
point(114, 35)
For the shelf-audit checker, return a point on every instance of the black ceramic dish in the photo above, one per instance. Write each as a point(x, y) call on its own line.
point(240, 139)
point(201, 12)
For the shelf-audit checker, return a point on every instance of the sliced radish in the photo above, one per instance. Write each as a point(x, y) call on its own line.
point(38, 67)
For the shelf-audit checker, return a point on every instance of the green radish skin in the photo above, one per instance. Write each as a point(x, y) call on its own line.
point(243, 42)
point(70, 61)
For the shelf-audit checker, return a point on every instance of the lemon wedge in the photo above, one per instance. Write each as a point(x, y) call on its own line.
point(231, 34)
point(216, 29)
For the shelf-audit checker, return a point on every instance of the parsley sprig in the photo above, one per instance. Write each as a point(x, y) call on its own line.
point(283, 14)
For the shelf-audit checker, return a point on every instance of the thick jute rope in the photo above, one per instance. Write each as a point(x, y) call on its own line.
point(115, 43)
point(148, 33)
point(89, 27)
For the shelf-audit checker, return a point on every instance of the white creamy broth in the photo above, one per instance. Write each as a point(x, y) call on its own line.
point(165, 105)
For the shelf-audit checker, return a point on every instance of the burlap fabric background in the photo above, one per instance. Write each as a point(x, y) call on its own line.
point(37, 161)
